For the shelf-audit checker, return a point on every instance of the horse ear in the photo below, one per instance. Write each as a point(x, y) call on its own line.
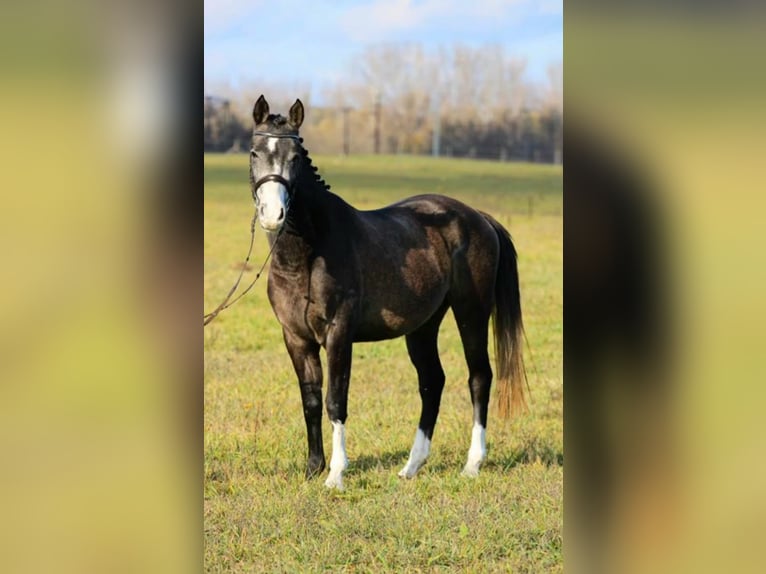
point(296, 114)
point(260, 110)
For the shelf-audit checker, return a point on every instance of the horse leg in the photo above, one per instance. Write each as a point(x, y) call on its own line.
point(424, 354)
point(308, 368)
point(473, 326)
point(338, 373)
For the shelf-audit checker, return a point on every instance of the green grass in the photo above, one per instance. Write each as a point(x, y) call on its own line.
point(260, 513)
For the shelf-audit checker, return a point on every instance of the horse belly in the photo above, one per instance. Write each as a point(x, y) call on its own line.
point(398, 301)
point(393, 323)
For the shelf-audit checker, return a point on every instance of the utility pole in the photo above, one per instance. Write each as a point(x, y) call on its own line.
point(346, 132)
point(376, 131)
point(436, 122)
point(225, 131)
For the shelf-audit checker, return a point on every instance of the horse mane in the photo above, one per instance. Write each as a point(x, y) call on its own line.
point(316, 179)
point(277, 119)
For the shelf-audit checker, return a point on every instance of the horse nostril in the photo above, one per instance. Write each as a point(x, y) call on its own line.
point(281, 214)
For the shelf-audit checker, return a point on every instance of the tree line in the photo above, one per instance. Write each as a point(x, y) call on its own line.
point(458, 101)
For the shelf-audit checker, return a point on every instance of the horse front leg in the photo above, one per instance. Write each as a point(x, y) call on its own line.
point(308, 368)
point(338, 373)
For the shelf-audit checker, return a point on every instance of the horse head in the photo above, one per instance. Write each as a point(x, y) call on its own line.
point(275, 162)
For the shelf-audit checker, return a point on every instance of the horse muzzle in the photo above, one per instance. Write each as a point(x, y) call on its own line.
point(272, 197)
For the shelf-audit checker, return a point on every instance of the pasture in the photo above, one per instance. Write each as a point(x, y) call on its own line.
point(261, 515)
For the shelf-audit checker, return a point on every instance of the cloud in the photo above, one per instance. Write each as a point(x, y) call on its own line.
point(220, 14)
point(285, 41)
point(552, 7)
point(382, 19)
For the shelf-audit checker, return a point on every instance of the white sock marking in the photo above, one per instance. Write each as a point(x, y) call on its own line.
point(478, 451)
point(339, 461)
point(418, 455)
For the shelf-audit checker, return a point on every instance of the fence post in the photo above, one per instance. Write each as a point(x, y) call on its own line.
point(436, 127)
point(376, 130)
point(346, 132)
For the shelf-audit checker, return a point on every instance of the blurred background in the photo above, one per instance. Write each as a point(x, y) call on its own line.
point(479, 80)
point(100, 353)
point(663, 276)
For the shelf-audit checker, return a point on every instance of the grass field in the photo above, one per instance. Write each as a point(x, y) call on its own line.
point(260, 513)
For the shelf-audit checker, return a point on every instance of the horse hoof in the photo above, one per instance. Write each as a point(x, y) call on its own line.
point(334, 482)
point(314, 470)
point(409, 471)
point(470, 471)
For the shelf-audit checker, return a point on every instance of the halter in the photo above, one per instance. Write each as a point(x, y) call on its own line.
point(273, 176)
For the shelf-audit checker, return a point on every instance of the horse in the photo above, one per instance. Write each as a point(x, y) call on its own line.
point(339, 275)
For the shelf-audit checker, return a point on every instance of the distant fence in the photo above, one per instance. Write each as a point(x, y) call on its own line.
point(530, 135)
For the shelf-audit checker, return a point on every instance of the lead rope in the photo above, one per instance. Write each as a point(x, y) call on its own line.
point(225, 304)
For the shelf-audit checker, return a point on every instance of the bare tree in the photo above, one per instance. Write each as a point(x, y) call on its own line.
point(402, 98)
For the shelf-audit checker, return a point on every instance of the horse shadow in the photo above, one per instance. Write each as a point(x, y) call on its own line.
point(384, 461)
point(531, 453)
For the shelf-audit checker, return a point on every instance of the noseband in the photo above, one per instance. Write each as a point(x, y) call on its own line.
point(273, 177)
point(279, 179)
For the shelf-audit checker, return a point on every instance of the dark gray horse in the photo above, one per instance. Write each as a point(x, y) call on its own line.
point(339, 275)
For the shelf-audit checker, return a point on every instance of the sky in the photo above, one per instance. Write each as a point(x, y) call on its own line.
point(299, 42)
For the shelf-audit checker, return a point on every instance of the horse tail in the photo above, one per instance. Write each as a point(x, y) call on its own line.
point(508, 328)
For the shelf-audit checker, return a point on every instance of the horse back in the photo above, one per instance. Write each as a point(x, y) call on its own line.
point(414, 255)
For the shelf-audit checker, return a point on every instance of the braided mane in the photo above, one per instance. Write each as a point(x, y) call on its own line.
point(316, 178)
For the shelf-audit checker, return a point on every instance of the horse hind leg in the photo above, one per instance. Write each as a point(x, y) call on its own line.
point(473, 326)
point(424, 354)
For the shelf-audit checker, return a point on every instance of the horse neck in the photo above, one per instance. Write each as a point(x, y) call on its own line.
point(314, 213)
